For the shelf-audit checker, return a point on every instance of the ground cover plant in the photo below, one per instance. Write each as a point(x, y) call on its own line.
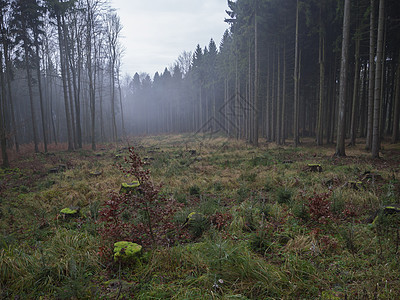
point(216, 218)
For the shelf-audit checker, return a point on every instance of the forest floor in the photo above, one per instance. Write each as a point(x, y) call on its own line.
point(274, 222)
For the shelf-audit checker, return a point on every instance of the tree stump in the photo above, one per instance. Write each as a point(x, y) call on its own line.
point(129, 187)
point(126, 251)
point(314, 168)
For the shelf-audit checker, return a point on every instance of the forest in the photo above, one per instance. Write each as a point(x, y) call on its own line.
point(261, 166)
point(279, 73)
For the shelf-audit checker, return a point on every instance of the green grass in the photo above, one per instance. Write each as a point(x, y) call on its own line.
point(268, 246)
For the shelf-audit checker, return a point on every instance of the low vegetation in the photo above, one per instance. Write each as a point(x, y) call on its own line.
point(216, 218)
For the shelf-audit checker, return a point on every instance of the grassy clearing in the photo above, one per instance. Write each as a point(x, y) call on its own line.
point(270, 227)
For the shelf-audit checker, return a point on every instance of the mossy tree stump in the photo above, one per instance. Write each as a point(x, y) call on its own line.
point(370, 177)
point(355, 185)
point(95, 173)
point(129, 187)
point(70, 212)
point(126, 251)
point(314, 168)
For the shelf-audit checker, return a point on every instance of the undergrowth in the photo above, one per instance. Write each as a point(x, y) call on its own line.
point(266, 227)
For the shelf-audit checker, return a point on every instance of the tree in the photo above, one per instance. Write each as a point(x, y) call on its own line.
point(57, 11)
point(26, 19)
point(341, 132)
point(296, 82)
point(3, 138)
point(371, 76)
point(376, 138)
point(7, 46)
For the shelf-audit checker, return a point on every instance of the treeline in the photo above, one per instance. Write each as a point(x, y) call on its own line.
point(277, 75)
point(60, 70)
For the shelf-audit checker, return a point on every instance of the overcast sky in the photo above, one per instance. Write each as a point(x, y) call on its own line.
point(156, 32)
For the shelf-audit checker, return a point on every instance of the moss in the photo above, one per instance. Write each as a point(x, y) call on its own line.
point(126, 250)
point(129, 187)
point(194, 216)
point(69, 211)
point(314, 167)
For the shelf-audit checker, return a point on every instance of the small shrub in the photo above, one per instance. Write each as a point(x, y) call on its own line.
point(151, 212)
point(337, 203)
point(197, 224)
point(261, 243)
point(181, 198)
point(217, 186)
point(300, 211)
point(194, 190)
point(243, 192)
point(284, 195)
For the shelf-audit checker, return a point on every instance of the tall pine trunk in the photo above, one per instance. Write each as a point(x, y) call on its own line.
point(378, 78)
point(33, 114)
point(371, 76)
point(396, 116)
point(256, 98)
point(44, 131)
point(64, 83)
point(3, 138)
point(354, 112)
point(296, 82)
point(341, 132)
point(320, 130)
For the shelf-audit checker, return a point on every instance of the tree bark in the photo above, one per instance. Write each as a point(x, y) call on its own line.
point(256, 98)
point(64, 82)
point(341, 132)
point(396, 116)
point(354, 112)
point(320, 131)
point(3, 138)
point(33, 114)
point(371, 76)
point(378, 77)
point(296, 83)
point(44, 131)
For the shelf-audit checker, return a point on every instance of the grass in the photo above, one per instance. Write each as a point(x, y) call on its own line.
point(258, 240)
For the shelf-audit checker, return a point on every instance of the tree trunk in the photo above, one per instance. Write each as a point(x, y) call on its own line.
point(3, 138)
point(283, 123)
point(341, 132)
point(10, 92)
point(354, 112)
point(64, 83)
point(320, 131)
point(114, 124)
point(296, 83)
point(396, 116)
point(378, 77)
point(44, 131)
point(371, 76)
point(33, 114)
point(256, 98)
point(278, 101)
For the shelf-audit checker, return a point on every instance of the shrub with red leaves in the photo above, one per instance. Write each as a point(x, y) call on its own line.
point(320, 208)
point(143, 216)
